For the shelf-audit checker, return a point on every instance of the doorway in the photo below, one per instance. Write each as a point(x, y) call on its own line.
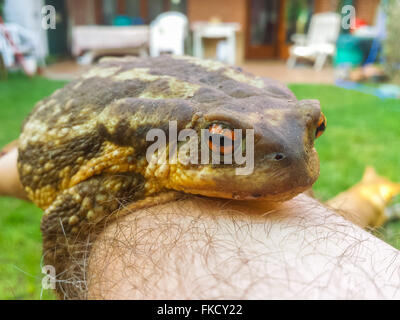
point(265, 30)
point(271, 24)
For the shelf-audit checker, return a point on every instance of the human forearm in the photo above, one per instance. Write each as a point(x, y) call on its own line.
point(206, 249)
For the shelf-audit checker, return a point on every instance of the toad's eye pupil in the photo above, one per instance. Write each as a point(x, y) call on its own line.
point(321, 126)
point(221, 141)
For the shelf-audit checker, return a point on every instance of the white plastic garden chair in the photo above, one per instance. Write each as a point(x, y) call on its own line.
point(319, 43)
point(24, 40)
point(167, 34)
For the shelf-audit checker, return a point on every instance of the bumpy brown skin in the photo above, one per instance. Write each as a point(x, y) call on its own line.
point(82, 150)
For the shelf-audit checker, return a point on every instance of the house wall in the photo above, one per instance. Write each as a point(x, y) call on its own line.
point(226, 11)
point(366, 10)
point(326, 5)
point(83, 12)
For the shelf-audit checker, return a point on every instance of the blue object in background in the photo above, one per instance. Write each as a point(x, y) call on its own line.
point(348, 51)
point(355, 51)
point(127, 21)
point(377, 44)
point(137, 21)
point(122, 21)
point(386, 91)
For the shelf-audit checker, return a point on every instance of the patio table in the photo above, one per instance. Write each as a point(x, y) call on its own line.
point(110, 39)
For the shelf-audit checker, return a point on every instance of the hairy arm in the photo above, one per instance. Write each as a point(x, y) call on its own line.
point(10, 184)
point(208, 249)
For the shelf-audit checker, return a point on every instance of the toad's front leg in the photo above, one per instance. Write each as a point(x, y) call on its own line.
point(72, 222)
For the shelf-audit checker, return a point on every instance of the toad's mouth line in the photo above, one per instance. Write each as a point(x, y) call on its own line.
point(244, 196)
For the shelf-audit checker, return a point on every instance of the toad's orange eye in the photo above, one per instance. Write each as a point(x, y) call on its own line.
point(321, 126)
point(225, 138)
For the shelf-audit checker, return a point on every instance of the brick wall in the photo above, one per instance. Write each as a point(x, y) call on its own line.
point(83, 12)
point(366, 10)
point(226, 11)
point(326, 5)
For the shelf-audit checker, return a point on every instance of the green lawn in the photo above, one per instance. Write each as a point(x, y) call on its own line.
point(20, 239)
point(362, 130)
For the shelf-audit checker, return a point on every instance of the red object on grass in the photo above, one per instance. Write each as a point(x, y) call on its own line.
point(359, 23)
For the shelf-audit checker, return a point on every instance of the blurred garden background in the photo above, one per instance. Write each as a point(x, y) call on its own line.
point(357, 83)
